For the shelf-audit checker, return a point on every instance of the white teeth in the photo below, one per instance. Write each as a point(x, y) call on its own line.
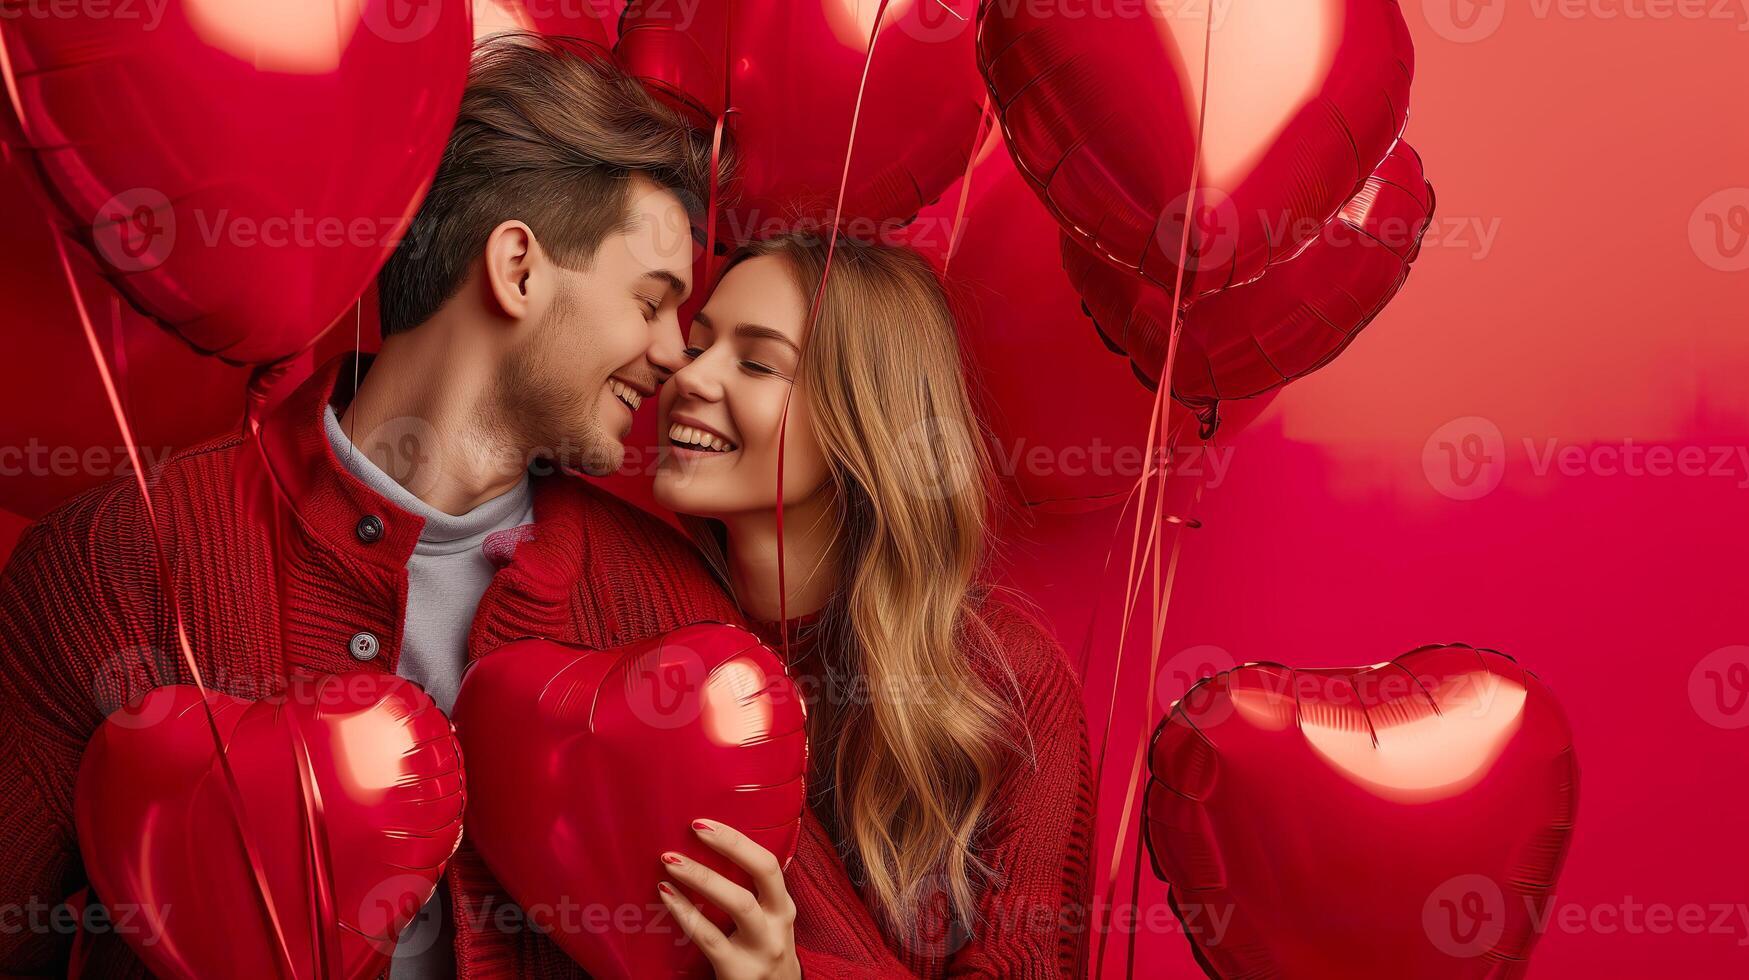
point(625, 393)
point(690, 436)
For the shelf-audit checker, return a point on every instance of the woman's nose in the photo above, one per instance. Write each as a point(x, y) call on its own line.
point(698, 379)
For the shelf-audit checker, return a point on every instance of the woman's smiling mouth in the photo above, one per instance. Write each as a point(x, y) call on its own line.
point(689, 435)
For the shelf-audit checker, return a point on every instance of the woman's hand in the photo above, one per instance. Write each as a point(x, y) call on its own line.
point(763, 946)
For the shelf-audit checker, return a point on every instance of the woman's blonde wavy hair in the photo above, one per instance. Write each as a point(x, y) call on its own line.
point(903, 768)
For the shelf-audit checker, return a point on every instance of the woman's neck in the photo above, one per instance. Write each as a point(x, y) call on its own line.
point(810, 564)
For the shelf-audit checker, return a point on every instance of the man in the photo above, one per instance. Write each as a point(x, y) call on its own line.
point(394, 526)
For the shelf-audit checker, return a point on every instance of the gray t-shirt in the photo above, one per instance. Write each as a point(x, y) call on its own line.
point(447, 574)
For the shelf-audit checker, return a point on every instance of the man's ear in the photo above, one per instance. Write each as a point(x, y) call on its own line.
point(516, 270)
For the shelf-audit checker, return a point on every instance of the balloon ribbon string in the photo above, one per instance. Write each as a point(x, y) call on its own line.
point(814, 313)
point(167, 582)
point(717, 131)
point(959, 212)
point(14, 98)
point(710, 219)
point(324, 928)
point(318, 880)
point(1131, 591)
point(1163, 593)
point(77, 956)
point(1085, 661)
point(1135, 903)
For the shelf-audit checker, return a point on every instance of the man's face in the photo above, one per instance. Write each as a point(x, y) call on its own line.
point(608, 339)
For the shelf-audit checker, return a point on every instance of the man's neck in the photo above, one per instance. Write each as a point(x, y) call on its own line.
point(426, 415)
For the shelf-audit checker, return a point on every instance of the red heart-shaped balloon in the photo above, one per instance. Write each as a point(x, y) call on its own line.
point(1232, 130)
point(1245, 340)
point(1407, 819)
point(788, 79)
point(162, 848)
point(239, 170)
point(585, 765)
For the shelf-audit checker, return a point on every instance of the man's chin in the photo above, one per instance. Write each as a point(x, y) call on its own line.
point(602, 457)
point(597, 454)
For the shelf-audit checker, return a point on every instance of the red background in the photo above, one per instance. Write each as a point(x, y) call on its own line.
point(1560, 300)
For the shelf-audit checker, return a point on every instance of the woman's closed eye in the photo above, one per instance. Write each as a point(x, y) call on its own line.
point(694, 352)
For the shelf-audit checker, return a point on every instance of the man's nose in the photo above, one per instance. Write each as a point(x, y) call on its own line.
point(667, 347)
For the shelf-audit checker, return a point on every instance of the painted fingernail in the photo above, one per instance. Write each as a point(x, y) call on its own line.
point(704, 825)
point(672, 858)
point(665, 888)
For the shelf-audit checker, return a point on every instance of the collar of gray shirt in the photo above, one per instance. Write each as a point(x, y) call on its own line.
point(443, 533)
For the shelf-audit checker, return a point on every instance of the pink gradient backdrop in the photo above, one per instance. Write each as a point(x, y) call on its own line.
point(1560, 299)
point(1560, 296)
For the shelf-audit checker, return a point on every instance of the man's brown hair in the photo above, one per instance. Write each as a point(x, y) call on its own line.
point(549, 132)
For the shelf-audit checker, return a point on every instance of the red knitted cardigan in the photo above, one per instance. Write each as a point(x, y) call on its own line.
point(84, 628)
point(1037, 837)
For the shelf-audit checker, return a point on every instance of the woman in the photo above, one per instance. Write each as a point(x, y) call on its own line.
point(949, 773)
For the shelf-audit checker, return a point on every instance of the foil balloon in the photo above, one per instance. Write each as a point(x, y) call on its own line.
point(368, 840)
point(588, 20)
point(1231, 130)
point(585, 765)
point(1067, 420)
point(1407, 819)
point(55, 423)
point(1248, 339)
point(790, 75)
point(237, 169)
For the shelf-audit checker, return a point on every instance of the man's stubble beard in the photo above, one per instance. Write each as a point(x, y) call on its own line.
point(557, 421)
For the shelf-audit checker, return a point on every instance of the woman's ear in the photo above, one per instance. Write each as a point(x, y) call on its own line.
point(515, 267)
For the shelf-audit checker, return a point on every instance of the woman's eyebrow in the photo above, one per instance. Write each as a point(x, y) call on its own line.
point(753, 331)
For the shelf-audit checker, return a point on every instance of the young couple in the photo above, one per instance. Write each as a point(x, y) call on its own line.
point(531, 311)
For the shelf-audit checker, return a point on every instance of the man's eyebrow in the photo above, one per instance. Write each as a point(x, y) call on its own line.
point(674, 283)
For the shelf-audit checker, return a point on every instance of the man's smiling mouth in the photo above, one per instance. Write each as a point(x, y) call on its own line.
point(627, 395)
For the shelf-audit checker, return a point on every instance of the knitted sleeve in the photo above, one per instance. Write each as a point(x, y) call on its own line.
point(71, 648)
point(1031, 919)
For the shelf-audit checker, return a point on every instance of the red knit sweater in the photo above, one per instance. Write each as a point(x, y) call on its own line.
point(1036, 838)
point(83, 629)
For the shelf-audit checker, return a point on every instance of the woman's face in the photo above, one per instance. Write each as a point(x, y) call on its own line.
point(720, 414)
